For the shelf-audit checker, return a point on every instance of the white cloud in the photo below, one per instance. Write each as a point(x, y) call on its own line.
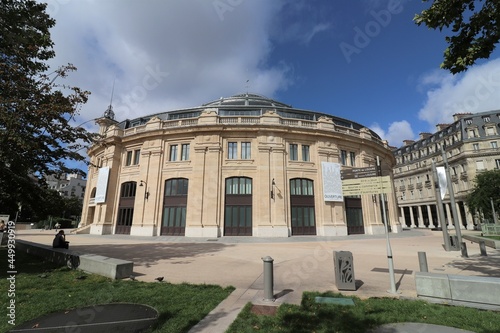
point(165, 55)
point(396, 133)
point(477, 90)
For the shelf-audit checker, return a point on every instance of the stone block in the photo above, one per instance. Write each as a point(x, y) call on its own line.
point(477, 289)
point(109, 267)
point(432, 285)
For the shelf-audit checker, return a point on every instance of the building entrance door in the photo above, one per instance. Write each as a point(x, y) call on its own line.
point(126, 208)
point(302, 207)
point(174, 207)
point(354, 216)
point(238, 207)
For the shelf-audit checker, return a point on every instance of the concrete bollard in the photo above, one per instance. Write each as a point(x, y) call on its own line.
point(482, 248)
point(422, 261)
point(268, 278)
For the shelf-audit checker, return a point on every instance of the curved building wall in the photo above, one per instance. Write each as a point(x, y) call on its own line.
point(216, 175)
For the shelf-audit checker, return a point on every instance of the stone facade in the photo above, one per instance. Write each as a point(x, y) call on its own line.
point(470, 145)
point(240, 166)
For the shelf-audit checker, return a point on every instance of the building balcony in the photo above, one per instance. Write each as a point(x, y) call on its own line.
point(419, 186)
point(428, 184)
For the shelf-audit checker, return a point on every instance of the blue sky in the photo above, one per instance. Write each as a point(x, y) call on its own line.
point(363, 60)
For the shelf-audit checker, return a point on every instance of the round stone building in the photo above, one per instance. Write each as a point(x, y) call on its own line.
point(244, 165)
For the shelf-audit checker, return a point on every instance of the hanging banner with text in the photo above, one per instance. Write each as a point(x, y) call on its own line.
point(102, 185)
point(332, 183)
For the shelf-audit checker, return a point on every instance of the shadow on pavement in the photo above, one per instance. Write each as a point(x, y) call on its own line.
point(149, 254)
point(483, 265)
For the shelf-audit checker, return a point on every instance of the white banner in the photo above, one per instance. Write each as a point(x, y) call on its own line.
point(102, 185)
point(332, 183)
point(443, 183)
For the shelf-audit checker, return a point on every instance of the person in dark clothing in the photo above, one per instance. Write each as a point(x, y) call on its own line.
point(60, 241)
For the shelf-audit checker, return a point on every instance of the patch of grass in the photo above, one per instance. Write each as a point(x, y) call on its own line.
point(42, 288)
point(492, 237)
point(365, 315)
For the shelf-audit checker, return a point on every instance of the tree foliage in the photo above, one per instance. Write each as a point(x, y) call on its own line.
point(475, 27)
point(486, 189)
point(36, 138)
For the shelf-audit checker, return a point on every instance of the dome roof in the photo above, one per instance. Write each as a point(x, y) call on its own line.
point(247, 100)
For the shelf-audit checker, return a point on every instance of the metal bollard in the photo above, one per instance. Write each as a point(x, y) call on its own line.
point(463, 248)
point(268, 278)
point(422, 261)
point(482, 248)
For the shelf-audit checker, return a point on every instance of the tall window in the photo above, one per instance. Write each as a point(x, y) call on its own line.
point(133, 157)
point(305, 153)
point(137, 155)
point(343, 157)
point(475, 146)
point(129, 158)
point(302, 207)
point(185, 152)
point(494, 144)
point(497, 163)
point(352, 158)
point(238, 207)
point(173, 153)
point(232, 150)
point(245, 151)
point(175, 207)
point(293, 152)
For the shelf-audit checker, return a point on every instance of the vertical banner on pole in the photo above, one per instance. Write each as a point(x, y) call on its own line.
point(443, 182)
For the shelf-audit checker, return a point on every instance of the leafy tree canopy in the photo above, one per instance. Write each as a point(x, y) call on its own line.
point(36, 138)
point(486, 189)
point(475, 25)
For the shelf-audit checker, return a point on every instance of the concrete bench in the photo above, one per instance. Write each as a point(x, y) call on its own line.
point(487, 241)
point(475, 291)
point(108, 267)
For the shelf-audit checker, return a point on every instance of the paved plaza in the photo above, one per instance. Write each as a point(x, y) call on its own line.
point(303, 263)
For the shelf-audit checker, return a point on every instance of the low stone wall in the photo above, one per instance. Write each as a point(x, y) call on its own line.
point(108, 267)
point(475, 291)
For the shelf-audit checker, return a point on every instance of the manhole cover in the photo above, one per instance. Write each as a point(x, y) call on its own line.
point(116, 317)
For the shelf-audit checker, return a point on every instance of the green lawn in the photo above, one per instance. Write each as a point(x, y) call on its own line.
point(366, 314)
point(42, 288)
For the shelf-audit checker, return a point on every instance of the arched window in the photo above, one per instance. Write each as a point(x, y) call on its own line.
point(302, 206)
point(174, 207)
point(238, 207)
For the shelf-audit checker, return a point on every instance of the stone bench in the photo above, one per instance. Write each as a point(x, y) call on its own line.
point(487, 241)
point(475, 291)
point(108, 267)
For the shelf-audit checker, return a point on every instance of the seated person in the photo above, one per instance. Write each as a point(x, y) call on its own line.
point(60, 241)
